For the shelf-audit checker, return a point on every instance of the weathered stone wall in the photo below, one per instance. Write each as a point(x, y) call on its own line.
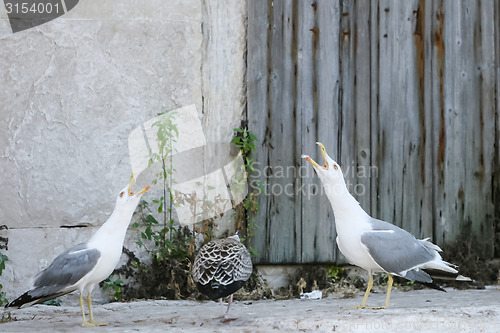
point(72, 91)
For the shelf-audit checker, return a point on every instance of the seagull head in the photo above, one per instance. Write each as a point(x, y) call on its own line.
point(127, 197)
point(330, 171)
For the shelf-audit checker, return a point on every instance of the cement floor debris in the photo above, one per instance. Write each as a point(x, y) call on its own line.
point(414, 311)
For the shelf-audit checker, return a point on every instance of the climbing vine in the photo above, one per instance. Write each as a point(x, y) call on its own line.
point(3, 259)
point(247, 212)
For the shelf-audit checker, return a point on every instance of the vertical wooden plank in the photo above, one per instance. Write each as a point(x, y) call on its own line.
point(347, 114)
point(285, 241)
point(362, 167)
point(307, 39)
point(319, 79)
point(375, 152)
point(414, 167)
point(301, 64)
point(355, 136)
point(457, 95)
point(384, 203)
point(328, 91)
point(354, 119)
point(438, 122)
point(389, 117)
point(289, 157)
point(257, 112)
point(496, 163)
point(424, 44)
point(479, 205)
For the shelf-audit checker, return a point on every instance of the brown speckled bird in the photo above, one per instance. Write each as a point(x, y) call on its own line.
point(221, 267)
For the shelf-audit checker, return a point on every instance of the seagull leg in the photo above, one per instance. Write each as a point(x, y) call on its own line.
point(91, 318)
point(389, 287)
point(85, 323)
point(388, 296)
point(367, 292)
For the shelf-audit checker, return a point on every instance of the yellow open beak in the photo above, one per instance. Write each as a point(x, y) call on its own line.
point(131, 185)
point(323, 154)
point(313, 162)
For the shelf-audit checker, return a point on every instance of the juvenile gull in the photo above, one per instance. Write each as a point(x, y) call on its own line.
point(85, 265)
point(375, 245)
point(221, 267)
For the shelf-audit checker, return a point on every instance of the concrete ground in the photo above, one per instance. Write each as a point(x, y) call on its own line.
point(414, 311)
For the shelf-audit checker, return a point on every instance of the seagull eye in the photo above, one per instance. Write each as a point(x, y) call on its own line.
point(121, 194)
point(335, 166)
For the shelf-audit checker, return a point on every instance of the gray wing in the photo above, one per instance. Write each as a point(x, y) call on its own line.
point(61, 276)
point(67, 268)
point(397, 251)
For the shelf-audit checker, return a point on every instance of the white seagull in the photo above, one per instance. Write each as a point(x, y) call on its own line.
point(375, 245)
point(85, 265)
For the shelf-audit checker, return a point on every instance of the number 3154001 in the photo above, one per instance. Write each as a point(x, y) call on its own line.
point(34, 8)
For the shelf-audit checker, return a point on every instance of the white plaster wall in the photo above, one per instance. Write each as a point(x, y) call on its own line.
point(75, 87)
point(223, 79)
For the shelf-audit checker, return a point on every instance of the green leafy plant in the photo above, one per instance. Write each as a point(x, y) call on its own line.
point(169, 242)
point(170, 247)
point(335, 272)
point(115, 284)
point(246, 142)
point(6, 317)
point(3, 259)
point(162, 233)
point(249, 209)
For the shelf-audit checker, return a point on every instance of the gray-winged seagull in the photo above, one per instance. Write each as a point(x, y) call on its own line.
point(85, 265)
point(375, 245)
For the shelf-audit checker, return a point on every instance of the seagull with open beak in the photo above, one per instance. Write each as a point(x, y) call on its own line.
point(85, 265)
point(375, 245)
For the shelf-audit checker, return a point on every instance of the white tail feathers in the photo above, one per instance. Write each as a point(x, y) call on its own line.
point(463, 278)
point(430, 245)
